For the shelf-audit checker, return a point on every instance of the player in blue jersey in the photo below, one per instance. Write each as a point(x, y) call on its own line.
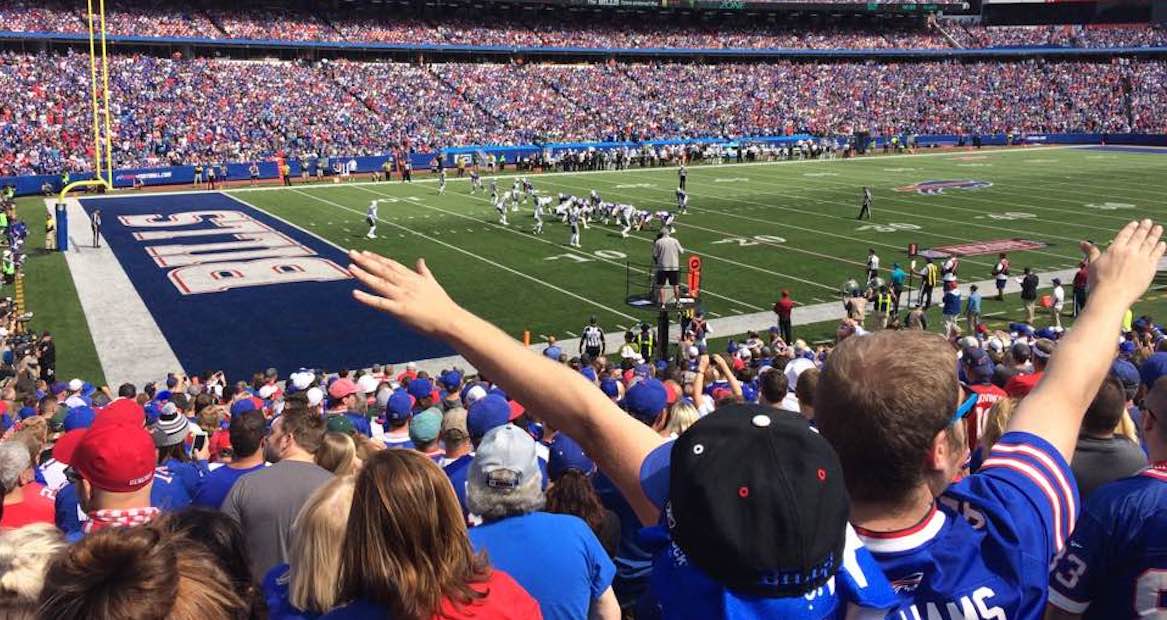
point(1115, 565)
point(980, 547)
point(744, 464)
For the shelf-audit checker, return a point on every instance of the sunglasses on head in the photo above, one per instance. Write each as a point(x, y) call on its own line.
point(965, 407)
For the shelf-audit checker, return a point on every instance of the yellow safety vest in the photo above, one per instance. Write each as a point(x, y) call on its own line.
point(883, 303)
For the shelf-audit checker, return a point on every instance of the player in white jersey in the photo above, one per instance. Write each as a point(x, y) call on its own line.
point(594, 197)
point(371, 219)
point(500, 205)
point(682, 200)
point(628, 215)
point(541, 203)
point(515, 195)
point(666, 219)
point(493, 190)
point(573, 220)
point(475, 182)
point(441, 181)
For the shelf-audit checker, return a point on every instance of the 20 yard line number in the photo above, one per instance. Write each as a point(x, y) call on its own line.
point(578, 258)
point(743, 242)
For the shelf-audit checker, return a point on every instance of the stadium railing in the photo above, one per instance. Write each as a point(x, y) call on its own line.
point(237, 171)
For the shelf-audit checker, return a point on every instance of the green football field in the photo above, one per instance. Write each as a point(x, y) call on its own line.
point(759, 228)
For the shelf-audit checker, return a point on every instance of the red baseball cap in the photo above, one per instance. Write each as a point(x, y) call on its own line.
point(341, 388)
point(516, 411)
point(112, 457)
point(121, 412)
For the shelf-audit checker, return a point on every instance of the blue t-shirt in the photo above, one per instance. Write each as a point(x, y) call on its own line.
point(555, 557)
point(457, 472)
point(684, 591)
point(189, 474)
point(974, 303)
point(218, 484)
point(986, 550)
point(633, 561)
point(275, 594)
point(1115, 565)
point(951, 303)
point(360, 423)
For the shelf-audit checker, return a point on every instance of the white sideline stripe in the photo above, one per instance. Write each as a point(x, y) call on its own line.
point(130, 346)
point(552, 243)
point(475, 256)
point(697, 168)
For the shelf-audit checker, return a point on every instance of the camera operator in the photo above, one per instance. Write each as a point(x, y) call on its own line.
point(47, 357)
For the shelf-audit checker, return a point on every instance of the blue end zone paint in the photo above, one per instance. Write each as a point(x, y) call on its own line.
point(1145, 150)
point(241, 331)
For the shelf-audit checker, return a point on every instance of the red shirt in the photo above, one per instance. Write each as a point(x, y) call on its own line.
point(1080, 278)
point(1018, 386)
point(988, 394)
point(506, 600)
point(36, 507)
point(784, 307)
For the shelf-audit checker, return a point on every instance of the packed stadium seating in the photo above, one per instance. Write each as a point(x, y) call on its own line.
point(173, 110)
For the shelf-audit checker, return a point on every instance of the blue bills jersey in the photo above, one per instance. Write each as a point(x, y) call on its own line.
point(985, 550)
point(1116, 563)
point(683, 591)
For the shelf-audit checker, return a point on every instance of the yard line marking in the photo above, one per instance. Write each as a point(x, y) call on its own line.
point(621, 328)
point(572, 334)
point(477, 257)
point(714, 314)
point(818, 299)
point(494, 225)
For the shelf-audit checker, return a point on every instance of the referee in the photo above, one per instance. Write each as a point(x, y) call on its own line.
point(592, 339)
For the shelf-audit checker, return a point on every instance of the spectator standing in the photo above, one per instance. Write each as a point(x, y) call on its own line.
point(406, 553)
point(571, 491)
point(247, 432)
point(951, 308)
point(1019, 385)
point(784, 308)
point(455, 438)
point(1029, 294)
point(266, 502)
point(95, 226)
point(556, 558)
point(978, 372)
point(424, 429)
point(1001, 275)
point(1101, 456)
point(1109, 568)
point(47, 357)
point(1081, 278)
point(24, 502)
point(342, 401)
point(972, 309)
point(170, 432)
point(897, 279)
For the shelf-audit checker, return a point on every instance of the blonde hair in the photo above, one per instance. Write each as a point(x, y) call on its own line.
point(24, 557)
point(337, 453)
point(1126, 427)
point(315, 552)
point(682, 415)
point(996, 420)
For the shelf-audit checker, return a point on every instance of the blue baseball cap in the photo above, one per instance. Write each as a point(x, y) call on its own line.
point(646, 399)
point(565, 454)
point(399, 407)
point(244, 405)
point(420, 388)
point(26, 413)
point(749, 393)
point(1128, 375)
point(1153, 368)
point(79, 417)
point(1127, 348)
point(451, 380)
point(485, 414)
point(588, 372)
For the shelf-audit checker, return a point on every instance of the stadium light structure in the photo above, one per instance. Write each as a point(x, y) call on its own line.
point(99, 104)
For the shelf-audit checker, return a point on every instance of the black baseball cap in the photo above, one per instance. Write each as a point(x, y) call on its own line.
point(757, 501)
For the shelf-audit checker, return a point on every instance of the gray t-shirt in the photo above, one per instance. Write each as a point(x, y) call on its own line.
point(266, 502)
point(666, 253)
point(1099, 461)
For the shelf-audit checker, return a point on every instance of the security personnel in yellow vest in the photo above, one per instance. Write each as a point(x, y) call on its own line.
point(883, 304)
point(646, 341)
point(686, 316)
point(929, 278)
point(64, 179)
point(8, 267)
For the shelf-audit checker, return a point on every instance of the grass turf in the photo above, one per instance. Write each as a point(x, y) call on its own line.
point(759, 228)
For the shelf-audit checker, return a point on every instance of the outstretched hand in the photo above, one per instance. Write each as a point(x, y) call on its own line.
point(411, 295)
point(1126, 268)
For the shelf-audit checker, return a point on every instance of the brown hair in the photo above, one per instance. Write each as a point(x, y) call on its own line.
point(880, 401)
point(1105, 411)
point(209, 418)
point(804, 388)
point(406, 546)
point(573, 494)
point(137, 573)
point(306, 428)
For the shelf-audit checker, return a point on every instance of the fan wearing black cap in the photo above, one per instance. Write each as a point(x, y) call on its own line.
point(980, 547)
point(750, 497)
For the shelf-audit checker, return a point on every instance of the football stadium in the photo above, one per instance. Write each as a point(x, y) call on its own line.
point(583, 309)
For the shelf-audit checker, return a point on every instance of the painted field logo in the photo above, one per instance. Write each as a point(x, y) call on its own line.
point(217, 251)
point(938, 187)
point(980, 248)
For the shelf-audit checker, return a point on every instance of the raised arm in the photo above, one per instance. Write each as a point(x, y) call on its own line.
point(564, 399)
point(1118, 277)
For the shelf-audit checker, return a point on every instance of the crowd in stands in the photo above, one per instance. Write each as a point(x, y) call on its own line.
point(179, 110)
point(552, 29)
point(706, 485)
